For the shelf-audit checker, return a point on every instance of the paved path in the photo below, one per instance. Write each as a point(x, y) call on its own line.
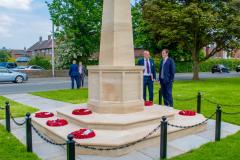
point(175, 147)
point(37, 102)
point(45, 84)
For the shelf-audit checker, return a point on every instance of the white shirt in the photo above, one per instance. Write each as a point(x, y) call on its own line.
point(80, 69)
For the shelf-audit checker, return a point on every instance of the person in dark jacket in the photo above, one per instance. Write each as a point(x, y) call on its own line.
point(166, 77)
point(149, 74)
point(74, 74)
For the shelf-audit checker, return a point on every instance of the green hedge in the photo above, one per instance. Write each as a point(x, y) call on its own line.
point(182, 67)
point(41, 61)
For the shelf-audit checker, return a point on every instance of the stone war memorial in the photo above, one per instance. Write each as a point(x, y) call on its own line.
point(115, 114)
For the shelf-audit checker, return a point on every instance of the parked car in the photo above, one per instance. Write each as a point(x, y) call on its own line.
point(238, 68)
point(7, 75)
point(23, 59)
point(9, 65)
point(33, 67)
point(220, 68)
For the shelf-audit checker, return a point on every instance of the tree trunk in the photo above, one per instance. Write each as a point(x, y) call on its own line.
point(195, 70)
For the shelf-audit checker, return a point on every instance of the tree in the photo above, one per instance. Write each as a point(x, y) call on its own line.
point(4, 55)
point(78, 29)
point(194, 24)
point(144, 39)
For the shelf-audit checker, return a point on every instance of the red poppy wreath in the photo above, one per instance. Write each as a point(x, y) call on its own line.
point(57, 122)
point(44, 114)
point(83, 134)
point(81, 112)
point(187, 113)
point(148, 103)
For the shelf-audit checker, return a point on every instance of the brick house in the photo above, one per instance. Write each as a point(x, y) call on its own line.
point(41, 48)
point(16, 53)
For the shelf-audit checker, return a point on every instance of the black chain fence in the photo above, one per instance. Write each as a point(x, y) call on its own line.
point(17, 123)
point(1, 108)
point(185, 99)
point(227, 105)
point(47, 139)
point(198, 124)
point(122, 146)
point(97, 148)
point(231, 113)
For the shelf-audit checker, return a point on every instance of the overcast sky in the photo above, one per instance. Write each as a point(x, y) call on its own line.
point(22, 22)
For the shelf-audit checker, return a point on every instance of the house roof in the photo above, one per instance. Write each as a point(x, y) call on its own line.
point(46, 44)
point(18, 51)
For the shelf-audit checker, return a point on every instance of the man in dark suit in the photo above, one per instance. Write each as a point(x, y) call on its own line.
point(149, 74)
point(166, 77)
point(74, 74)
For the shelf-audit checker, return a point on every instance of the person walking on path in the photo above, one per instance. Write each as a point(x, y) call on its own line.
point(149, 75)
point(74, 74)
point(82, 71)
point(166, 77)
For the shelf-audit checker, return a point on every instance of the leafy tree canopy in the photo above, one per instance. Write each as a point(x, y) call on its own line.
point(193, 24)
point(78, 29)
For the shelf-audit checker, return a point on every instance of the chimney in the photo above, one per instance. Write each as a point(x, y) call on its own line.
point(49, 37)
point(40, 39)
point(25, 49)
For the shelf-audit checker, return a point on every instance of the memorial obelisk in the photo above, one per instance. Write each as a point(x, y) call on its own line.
point(115, 85)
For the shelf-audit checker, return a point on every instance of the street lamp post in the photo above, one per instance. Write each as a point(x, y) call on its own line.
point(53, 65)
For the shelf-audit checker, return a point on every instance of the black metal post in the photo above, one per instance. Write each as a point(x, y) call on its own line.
point(7, 109)
point(29, 132)
point(160, 96)
point(218, 123)
point(163, 138)
point(199, 100)
point(70, 147)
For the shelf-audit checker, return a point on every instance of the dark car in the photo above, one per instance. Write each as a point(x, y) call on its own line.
point(220, 68)
point(238, 68)
point(9, 65)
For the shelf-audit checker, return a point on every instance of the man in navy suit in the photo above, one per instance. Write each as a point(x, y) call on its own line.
point(166, 77)
point(74, 74)
point(149, 74)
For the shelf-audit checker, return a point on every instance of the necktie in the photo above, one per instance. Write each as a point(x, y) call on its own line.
point(148, 69)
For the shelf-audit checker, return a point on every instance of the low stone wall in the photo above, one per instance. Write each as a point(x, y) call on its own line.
point(45, 73)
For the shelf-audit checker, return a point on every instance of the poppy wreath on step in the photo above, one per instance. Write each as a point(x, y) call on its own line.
point(187, 113)
point(81, 112)
point(83, 134)
point(57, 122)
point(44, 115)
point(148, 103)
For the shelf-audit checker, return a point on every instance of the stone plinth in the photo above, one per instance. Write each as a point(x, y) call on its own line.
point(115, 89)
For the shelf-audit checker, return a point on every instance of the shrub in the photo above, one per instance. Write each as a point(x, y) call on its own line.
point(40, 61)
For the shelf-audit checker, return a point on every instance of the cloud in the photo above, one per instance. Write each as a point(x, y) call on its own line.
point(16, 4)
point(5, 23)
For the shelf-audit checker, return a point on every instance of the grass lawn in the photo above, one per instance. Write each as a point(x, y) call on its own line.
point(17, 109)
point(227, 149)
point(11, 148)
point(223, 91)
point(72, 96)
